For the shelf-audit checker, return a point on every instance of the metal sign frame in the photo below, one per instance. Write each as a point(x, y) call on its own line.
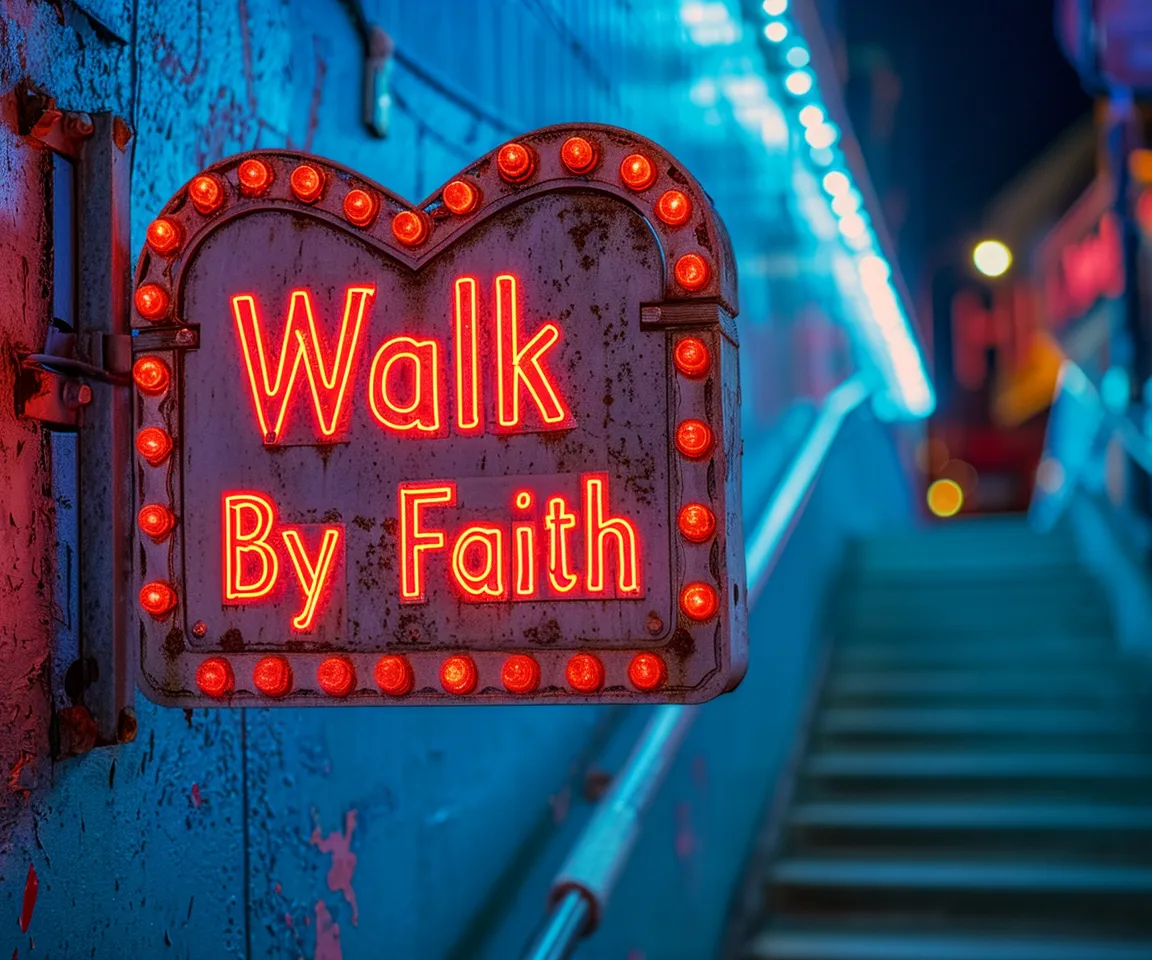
point(547, 189)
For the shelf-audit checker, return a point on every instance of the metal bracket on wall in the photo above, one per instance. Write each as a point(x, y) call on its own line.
point(81, 382)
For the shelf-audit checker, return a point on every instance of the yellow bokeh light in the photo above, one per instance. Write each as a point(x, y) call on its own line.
point(945, 498)
point(992, 258)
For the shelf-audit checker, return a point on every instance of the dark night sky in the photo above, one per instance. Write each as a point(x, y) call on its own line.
point(985, 89)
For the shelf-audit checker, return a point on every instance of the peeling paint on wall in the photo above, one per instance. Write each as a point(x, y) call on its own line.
point(327, 935)
point(338, 846)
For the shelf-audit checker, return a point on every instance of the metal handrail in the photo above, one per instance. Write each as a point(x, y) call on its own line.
point(581, 889)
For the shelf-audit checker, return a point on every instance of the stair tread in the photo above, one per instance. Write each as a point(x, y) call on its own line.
point(933, 719)
point(966, 874)
point(961, 945)
point(974, 763)
point(942, 814)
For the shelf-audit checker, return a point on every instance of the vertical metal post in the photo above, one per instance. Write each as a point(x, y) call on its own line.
point(103, 285)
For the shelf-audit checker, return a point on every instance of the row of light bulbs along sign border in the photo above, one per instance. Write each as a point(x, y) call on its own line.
point(393, 673)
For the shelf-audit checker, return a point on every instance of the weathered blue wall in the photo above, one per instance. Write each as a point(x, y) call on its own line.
point(347, 833)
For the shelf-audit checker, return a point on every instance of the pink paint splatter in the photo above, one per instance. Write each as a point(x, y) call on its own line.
point(31, 889)
point(343, 861)
point(196, 795)
point(327, 935)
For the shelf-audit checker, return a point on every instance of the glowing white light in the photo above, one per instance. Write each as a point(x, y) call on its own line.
point(776, 31)
point(798, 82)
point(811, 115)
point(837, 183)
point(797, 57)
point(992, 258)
point(845, 203)
point(821, 136)
point(874, 269)
point(775, 7)
point(694, 12)
point(853, 225)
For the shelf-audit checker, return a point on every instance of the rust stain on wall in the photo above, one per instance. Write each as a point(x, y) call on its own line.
point(338, 845)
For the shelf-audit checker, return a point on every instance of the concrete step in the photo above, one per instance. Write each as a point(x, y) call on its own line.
point(817, 944)
point(1005, 816)
point(1017, 685)
point(991, 721)
point(996, 651)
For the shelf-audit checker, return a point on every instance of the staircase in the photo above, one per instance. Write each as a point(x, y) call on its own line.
point(978, 778)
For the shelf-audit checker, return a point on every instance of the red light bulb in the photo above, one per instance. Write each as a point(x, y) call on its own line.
point(336, 676)
point(674, 208)
point(458, 674)
point(207, 194)
point(692, 357)
point(215, 678)
point(516, 162)
point(647, 672)
point(637, 172)
point(694, 439)
point(154, 445)
point(520, 673)
point(692, 272)
point(255, 178)
point(699, 601)
point(151, 375)
point(307, 183)
point(360, 207)
point(163, 236)
point(151, 302)
point(585, 673)
point(394, 675)
point(156, 520)
point(697, 523)
point(157, 598)
point(410, 228)
point(579, 155)
point(272, 676)
point(460, 197)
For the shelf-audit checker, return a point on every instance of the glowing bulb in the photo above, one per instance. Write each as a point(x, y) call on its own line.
point(945, 498)
point(992, 258)
point(845, 203)
point(836, 183)
point(797, 56)
point(775, 8)
point(776, 31)
point(811, 115)
point(821, 136)
point(853, 226)
point(798, 82)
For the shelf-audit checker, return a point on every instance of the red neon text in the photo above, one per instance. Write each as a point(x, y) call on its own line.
point(481, 562)
point(251, 549)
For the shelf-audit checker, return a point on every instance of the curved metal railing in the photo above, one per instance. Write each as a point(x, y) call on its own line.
point(581, 889)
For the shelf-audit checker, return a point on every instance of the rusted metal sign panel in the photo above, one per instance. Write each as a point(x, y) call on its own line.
point(481, 450)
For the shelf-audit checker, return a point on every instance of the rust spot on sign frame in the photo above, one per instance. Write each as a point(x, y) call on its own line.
point(529, 381)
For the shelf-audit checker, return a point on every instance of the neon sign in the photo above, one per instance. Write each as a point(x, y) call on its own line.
point(484, 450)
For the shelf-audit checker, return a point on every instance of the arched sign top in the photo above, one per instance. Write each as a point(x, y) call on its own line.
point(622, 164)
point(482, 448)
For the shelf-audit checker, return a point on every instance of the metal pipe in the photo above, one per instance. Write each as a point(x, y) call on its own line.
point(581, 889)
